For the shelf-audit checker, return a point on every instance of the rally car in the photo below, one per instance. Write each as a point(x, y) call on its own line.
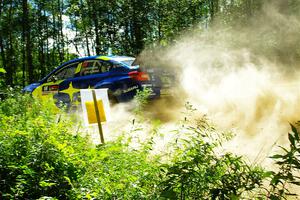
point(113, 72)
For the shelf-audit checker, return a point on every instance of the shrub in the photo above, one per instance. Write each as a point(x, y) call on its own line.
point(41, 158)
point(289, 166)
point(198, 172)
point(34, 151)
point(141, 98)
point(115, 172)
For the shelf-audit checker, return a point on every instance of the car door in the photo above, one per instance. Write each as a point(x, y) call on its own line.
point(57, 85)
point(87, 74)
point(91, 73)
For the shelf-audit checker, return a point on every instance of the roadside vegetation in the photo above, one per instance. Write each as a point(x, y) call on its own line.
point(42, 157)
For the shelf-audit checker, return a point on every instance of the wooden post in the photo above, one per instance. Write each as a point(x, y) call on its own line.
point(98, 116)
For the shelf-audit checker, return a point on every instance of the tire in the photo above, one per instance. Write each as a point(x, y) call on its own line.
point(113, 100)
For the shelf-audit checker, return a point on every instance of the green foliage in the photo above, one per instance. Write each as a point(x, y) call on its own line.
point(115, 172)
point(289, 166)
point(33, 149)
point(198, 172)
point(204, 176)
point(41, 158)
point(142, 99)
point(33, 40)
point(2, 70)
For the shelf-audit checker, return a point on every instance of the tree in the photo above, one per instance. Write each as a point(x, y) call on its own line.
point(27, 40)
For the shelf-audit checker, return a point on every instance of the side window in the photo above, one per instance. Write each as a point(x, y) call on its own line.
point(89, 67)
point(116, 66)
point(94, 67)
point(105, 66)
point(66, 72)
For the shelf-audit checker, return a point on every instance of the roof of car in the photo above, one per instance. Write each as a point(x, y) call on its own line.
point(115, 58)
point(103, 57)
point(100, 57)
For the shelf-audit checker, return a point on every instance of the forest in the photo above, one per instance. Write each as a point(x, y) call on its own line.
point(231, 131)
point(36, 36)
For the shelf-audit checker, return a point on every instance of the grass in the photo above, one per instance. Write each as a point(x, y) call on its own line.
point(41, 157)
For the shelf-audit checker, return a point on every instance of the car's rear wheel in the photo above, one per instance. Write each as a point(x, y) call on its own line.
point(112, 98)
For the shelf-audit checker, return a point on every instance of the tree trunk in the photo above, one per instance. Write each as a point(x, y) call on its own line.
point(212, 10)
point(23, 49)
point(60, 32)
point(249, 8)
point(41, 44)
point(27, 24)
point(85, 31)
point(3, 59)
point(137, 30)
point(87, 44)
point(46, 67)
point(94, 16)
point(54, 35)
point(8, 60)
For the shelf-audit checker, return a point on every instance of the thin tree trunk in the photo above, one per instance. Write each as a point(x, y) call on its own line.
point(60, 32)
point(46, 67)
point(8, 60)
point(41, 44)
point(249, 8)
point(137, 31)
point(23, 49)
point(75, 40)
point(159, 18)
point(94, 16)
point(85, 32)
point(28, 41)
point(54, 35)
point(23, 56)
point(3, 59)
point(87, 44)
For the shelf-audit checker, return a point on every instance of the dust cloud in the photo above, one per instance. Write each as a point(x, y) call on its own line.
point(244, 77)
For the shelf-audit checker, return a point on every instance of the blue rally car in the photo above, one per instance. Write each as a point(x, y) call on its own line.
point(113, 72)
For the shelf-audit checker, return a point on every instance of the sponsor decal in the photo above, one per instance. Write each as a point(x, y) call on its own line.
point(130, 89)
point(50, 89)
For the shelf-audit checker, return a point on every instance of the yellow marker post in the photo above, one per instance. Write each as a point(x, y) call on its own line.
point(95, 108)
point(98, 116)
point(91, 114)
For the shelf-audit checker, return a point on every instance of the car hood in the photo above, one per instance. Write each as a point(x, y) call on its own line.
point(31, 87)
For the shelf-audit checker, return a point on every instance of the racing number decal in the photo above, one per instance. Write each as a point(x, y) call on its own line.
point(50, 89)
point(46, 90)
